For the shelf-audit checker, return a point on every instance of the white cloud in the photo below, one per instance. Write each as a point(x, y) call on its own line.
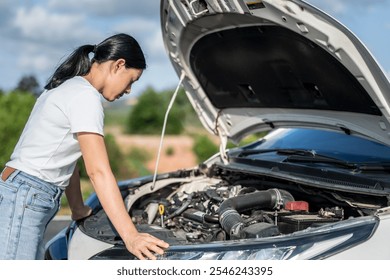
point(148, 34)
point(340, 7)
point(39, 39)
point(39, 34)
point(37, 63)
point(41, 25)
point(45, 36)
point(139, 26)
point(156, 44)
point(112, 8)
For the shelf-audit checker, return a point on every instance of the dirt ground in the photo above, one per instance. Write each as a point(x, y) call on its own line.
point(181, 155)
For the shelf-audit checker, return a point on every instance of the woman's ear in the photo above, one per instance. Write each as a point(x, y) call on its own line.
point(120, 63)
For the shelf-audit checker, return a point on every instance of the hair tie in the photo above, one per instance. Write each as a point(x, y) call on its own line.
point(94, 48)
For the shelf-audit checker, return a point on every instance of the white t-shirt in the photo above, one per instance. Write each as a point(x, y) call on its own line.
point(48, 147)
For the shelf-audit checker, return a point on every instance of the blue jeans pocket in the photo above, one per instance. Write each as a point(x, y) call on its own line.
point(9, 187)
point(40, 202)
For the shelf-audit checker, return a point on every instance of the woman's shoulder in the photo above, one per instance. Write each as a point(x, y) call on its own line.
point(72, 92)
point(77, 86)
point(77, 81)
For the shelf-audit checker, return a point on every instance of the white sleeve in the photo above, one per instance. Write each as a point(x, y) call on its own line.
point(86, 113)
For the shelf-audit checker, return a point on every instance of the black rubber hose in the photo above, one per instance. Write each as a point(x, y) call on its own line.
point(228, 212)
point(200, 217)
point(211, 219)
point(182, 208)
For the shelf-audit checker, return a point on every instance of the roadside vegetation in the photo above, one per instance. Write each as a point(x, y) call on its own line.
point(15, 107)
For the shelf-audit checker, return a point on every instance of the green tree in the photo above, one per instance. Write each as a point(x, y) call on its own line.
point(136, 162)
point(177, 114)
point(147, 116)
point(15, 109)
point(29, 84)
point(190, 116)
point(204, 148)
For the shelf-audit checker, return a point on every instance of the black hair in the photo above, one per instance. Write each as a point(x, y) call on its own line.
point(119, 46)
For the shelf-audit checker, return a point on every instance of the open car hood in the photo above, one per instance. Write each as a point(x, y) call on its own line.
point(250, 66)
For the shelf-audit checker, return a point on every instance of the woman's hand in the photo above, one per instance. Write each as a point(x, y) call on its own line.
point(81, 212)
point(144, 245)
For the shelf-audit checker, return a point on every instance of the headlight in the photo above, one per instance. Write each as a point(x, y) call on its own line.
point(314, 243)
point(309, 244)
point(262, 254)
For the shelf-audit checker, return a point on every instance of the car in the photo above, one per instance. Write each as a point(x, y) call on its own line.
point(315, 182)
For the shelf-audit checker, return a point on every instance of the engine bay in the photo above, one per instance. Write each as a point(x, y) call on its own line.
point(227, 205)
point(230, 212)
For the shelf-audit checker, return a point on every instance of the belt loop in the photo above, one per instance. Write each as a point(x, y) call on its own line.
point(13, 175)
point(58, 194)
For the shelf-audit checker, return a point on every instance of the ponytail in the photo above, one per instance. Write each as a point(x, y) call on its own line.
point(77, 64)
point(119, 46)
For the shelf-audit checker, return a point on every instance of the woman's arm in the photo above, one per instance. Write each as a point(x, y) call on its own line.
point(93, 148)
point(75, 198)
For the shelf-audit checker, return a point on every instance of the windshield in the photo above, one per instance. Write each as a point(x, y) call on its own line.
point(333, 144)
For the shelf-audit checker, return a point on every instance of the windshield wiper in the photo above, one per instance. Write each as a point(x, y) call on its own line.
point(302, 155)
point(374, 167)
point(357, 167)
point(311, 156)
point(322, 159)
point(278, 151)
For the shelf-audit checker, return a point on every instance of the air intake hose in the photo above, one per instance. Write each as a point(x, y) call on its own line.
point(229, 211)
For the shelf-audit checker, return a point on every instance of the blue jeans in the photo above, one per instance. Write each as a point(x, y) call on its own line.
point(27, 205)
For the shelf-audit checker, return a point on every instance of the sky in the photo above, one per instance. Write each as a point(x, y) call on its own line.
point(37, 34)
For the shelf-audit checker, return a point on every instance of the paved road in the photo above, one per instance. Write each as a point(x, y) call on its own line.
point(56, 225)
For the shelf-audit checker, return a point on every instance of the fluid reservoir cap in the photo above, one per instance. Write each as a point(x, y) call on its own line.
point(297, 206)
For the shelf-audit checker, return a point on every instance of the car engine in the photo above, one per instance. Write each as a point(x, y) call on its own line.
point(191, 207)
point(227, 212)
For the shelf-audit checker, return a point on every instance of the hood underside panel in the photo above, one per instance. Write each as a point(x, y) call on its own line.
point(250, 67)
point(292, 73)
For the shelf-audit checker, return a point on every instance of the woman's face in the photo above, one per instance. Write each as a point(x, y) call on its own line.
point(119, 81)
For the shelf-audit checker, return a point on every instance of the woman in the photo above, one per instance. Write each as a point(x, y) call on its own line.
point(65, 123)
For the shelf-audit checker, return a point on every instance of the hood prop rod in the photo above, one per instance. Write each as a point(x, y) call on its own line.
point(182, 76)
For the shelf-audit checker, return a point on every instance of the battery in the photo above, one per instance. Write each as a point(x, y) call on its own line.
point(296, 222)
